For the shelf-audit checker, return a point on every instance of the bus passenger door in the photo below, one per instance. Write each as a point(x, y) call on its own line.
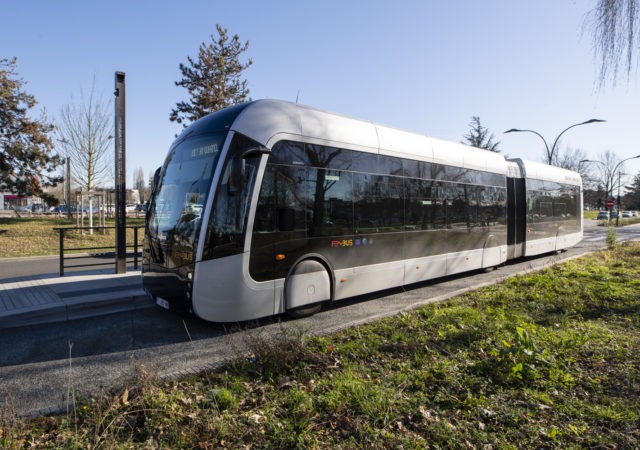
point(516, 217)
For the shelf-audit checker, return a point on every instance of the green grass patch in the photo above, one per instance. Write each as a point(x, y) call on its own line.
point(546, 360)
point(590, 215)
point(37, 237)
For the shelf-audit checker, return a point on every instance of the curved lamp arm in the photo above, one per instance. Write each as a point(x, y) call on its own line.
point(516, 130)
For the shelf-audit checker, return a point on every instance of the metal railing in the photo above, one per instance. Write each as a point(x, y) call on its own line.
point(131, 256)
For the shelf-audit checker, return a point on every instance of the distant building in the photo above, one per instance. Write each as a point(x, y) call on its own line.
point(9, 200)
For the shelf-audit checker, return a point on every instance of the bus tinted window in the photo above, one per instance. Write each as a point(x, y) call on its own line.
point(329, 157)
point(304, 196)
point(331, 202)
point(186, 178)
point(290, 153)
point(376, 164)
point(284, 188)
point(416, 169)
point(425, 205)
point(491, 206)
point(390, 166)
point(462, 205)
point(378, 205)
point(553, 208)
point(366, 162)
point(225, 233)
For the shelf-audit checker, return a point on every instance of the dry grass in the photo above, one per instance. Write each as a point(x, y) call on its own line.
point(37, 237)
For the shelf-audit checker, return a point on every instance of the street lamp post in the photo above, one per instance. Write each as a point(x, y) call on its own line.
point(66, 188)
point(551, 152)
point(610, 175)
point(120, 171)
point(67, 183)
point(618, 202)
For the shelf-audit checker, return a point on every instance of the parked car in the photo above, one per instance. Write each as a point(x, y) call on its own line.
point(627, 214)
point(603, 215)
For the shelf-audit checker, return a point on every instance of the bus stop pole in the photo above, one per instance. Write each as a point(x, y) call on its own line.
point(120, 187)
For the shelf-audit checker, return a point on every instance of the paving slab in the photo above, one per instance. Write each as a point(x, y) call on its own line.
point(48, 299)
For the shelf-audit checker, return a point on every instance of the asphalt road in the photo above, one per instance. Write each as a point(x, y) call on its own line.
point(39, 364)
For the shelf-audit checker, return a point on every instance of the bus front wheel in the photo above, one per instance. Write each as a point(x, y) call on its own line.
point(299, 313)
point(307, 287)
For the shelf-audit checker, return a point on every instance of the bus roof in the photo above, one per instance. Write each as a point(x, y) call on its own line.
point(268, 121)
point(545, 172)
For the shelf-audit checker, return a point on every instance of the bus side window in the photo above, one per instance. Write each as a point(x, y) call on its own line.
point(236, 173)
point(331, 202)
point(286, 219)
point(281, 203)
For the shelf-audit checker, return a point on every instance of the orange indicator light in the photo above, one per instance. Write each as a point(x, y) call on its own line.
point(280, 257)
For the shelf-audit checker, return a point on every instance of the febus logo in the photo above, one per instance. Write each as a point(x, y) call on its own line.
point(350, 242)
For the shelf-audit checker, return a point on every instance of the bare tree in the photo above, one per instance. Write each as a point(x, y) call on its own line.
point(84, 132)
point(616, 36)
point(607, 172)
point(139, 183)
point(571, 159)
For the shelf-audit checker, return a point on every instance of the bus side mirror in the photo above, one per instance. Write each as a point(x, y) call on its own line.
point(253, 152)
point(286, 219)
point(238, 168)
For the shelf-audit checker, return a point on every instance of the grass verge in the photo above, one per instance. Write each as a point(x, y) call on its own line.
point(36, 236)
point(546, 360)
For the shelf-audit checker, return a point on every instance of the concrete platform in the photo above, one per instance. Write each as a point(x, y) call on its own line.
point(50, 298)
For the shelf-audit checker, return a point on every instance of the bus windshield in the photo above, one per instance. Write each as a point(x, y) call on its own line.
point(176, 210)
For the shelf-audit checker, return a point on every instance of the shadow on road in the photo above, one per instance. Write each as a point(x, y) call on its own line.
point(125, 331)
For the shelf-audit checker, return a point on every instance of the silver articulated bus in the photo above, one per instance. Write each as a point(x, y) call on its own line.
point(270, 207)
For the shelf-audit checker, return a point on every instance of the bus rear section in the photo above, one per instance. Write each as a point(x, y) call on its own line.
point(545, 208)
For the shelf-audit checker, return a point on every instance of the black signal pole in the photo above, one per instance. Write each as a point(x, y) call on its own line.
point(120, 187)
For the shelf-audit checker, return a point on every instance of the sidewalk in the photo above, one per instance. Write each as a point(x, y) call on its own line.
point(51, 298)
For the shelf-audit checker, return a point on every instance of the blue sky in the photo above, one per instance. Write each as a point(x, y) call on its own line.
point(424, 66)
